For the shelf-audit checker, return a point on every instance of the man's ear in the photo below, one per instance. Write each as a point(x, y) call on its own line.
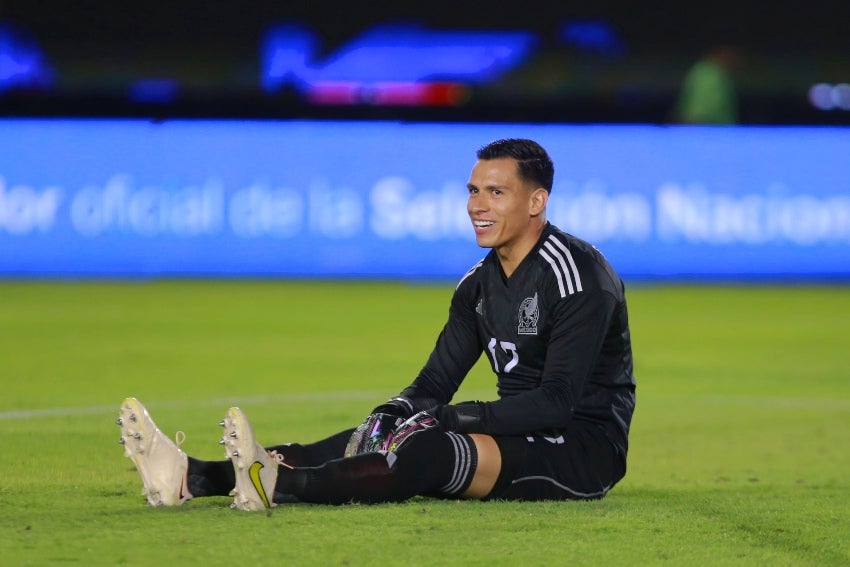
point(538, 199)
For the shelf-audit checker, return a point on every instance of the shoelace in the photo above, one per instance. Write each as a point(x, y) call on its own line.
point(279, 459)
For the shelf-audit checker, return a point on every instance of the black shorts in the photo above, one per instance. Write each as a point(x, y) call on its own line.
point(582, 465)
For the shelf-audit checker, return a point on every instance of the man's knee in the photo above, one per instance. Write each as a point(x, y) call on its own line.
point(457, 455)
point(488, 467)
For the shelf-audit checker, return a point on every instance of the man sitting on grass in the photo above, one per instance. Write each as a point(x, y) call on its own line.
point(548, 311)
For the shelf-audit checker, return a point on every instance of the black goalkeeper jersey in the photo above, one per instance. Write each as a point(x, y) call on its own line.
point(556, 334)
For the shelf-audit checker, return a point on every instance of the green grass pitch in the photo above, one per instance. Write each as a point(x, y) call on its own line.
point(740, 449)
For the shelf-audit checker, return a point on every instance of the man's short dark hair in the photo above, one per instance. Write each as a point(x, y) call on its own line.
point(534, 164)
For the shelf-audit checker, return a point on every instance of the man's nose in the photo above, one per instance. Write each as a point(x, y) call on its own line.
point(476, 204)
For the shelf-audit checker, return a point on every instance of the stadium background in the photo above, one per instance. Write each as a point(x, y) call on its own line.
point(606, 61)
point(122, 151)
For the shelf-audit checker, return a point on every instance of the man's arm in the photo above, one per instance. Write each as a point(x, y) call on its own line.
point(457, 349)
point(577, 336)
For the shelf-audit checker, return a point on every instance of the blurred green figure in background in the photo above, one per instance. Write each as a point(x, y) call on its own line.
point(708, 90)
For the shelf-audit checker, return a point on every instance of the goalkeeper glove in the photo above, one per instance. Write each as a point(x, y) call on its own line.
point(398, 406)
point(375, 431)
point(461, 418)
point(372, 435)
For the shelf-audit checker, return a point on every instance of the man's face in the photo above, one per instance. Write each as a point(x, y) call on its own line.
point(499, 204)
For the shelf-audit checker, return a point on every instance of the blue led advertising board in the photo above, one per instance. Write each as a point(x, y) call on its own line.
point(133, 198)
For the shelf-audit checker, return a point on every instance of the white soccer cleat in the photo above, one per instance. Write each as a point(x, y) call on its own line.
point(256, 468)
point(161, 464)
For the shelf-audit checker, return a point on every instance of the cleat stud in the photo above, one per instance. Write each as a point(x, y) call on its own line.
point(235, 453)
point(233, 434)
point(221, 423)
point(221, 441)
point(122, 441)
point(119, 421)
point(137, 436)
point(133, 417)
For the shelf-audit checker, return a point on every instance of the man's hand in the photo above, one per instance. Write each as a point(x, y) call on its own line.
point(399, 406)
point(372, 435)
point(461, 418)
point(375, 431)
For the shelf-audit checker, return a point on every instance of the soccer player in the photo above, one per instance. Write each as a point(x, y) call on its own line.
point(549, 313)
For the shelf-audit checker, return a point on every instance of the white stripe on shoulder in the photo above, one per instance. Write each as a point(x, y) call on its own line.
point(556, 270)
point(470, 272)
point(569, 256)
point(560, 266)
point(558, 255)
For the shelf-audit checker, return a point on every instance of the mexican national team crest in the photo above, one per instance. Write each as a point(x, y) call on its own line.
point(528, 315)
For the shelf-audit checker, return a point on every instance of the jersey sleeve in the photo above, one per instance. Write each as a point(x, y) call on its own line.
point(456, 351)
point(579, 330)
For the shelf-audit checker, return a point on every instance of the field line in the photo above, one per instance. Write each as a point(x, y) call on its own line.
point(377, 395)
point(293, 398)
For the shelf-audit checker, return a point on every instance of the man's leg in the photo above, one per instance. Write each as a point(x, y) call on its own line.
point(217, 478)
point(314, 454)
point(445, 464)
point(484, 469)
point(428, 461)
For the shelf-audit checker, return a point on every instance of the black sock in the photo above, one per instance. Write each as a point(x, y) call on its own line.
point(210, 478)
point(216, 478)
point(426, 464)
point(314, 454)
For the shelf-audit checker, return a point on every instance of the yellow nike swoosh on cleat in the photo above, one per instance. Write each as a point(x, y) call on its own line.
point(180, 494)
point(254, 474)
